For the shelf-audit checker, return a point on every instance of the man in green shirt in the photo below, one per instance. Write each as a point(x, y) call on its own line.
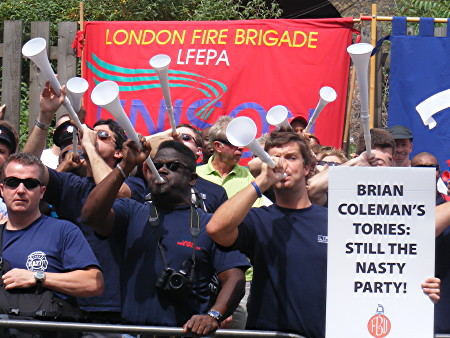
point(222, 167)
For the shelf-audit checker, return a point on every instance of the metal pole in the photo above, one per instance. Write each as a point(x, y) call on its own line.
point(133, 329)
point(373, 41)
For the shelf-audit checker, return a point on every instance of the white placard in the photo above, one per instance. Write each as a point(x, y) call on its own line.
point(380, 249)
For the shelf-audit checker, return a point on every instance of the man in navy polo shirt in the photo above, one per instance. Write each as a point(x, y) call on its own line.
point(165, 242)
point(289, 262)
point(67, 192)
point(42, 250)
point(286, 242)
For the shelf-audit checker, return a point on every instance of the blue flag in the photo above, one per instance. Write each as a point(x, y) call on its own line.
point(419, 89)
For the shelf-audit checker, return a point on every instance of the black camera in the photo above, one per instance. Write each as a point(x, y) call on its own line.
point(176, 282)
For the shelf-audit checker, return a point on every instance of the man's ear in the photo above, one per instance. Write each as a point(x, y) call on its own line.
point(118, 153)
point(199, 152)
point(146, 171)
point(307, 169)
point(194, 177)
point(216, 146)
point(43, 188)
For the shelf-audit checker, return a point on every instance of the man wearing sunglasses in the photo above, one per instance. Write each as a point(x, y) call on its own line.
point(209, 195)
point(158, 238)
point(42, 251)
point(67, 192)
point(222, 167)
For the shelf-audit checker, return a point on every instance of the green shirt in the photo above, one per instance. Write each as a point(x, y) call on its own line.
point(236, 180)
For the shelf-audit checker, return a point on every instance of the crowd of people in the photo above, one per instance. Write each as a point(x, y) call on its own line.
point(202, 243)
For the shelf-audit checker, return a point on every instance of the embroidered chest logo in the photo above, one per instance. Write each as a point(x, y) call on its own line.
point(37, 261)
point(188, 244)
point(322, 239)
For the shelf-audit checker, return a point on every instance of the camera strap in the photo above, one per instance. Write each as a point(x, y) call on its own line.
point(194, 228)
point(2, 227)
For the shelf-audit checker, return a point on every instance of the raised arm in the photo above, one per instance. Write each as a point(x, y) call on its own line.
point(100, 169)
point(2, 112)
point(49, 104)
point(223, 226)
point(318, 184)
point(318, 187)
point(97, 211)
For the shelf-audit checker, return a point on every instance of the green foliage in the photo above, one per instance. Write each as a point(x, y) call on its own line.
point(423, 8)
point(55, 11)
point(24, 114)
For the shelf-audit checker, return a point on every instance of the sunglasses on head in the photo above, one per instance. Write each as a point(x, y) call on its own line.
point(226, 142)
point(427, 166)
point(172, 166)
point(14, 182)
point(330, 164)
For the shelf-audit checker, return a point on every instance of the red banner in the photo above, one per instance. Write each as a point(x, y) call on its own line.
point(222, 68)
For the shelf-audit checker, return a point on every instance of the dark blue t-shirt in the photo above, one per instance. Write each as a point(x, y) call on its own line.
point(213, 194)
point(68, 193)
point(442, 308)
point(142, 302)
point(49, 245)
point(288, 251)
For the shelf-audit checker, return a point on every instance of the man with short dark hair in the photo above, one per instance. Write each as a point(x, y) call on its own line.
point(280, 240)
point(382, 146)
point(427, 160)
point(67, 192)
point(162, 239)
point(63, 260)
point(285, 242)
point(207, 149)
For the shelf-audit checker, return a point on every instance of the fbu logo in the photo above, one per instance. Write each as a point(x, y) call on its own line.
point(379, 325)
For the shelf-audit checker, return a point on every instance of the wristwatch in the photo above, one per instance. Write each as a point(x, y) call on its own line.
point(215, 314)
point(39, 277)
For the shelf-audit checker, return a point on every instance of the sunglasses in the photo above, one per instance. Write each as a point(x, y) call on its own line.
point(79, 152)
point(14, 182)
point(226, 142)
point(330, 164)
point(104, 135)
point(186, 137)
point(172, 166)
point(427, 166)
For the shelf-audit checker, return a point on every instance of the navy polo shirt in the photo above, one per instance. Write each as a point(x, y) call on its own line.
point(288, 251)
point(49, 245)
point(213, 194)
point(142, 302)
point(68, 193)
